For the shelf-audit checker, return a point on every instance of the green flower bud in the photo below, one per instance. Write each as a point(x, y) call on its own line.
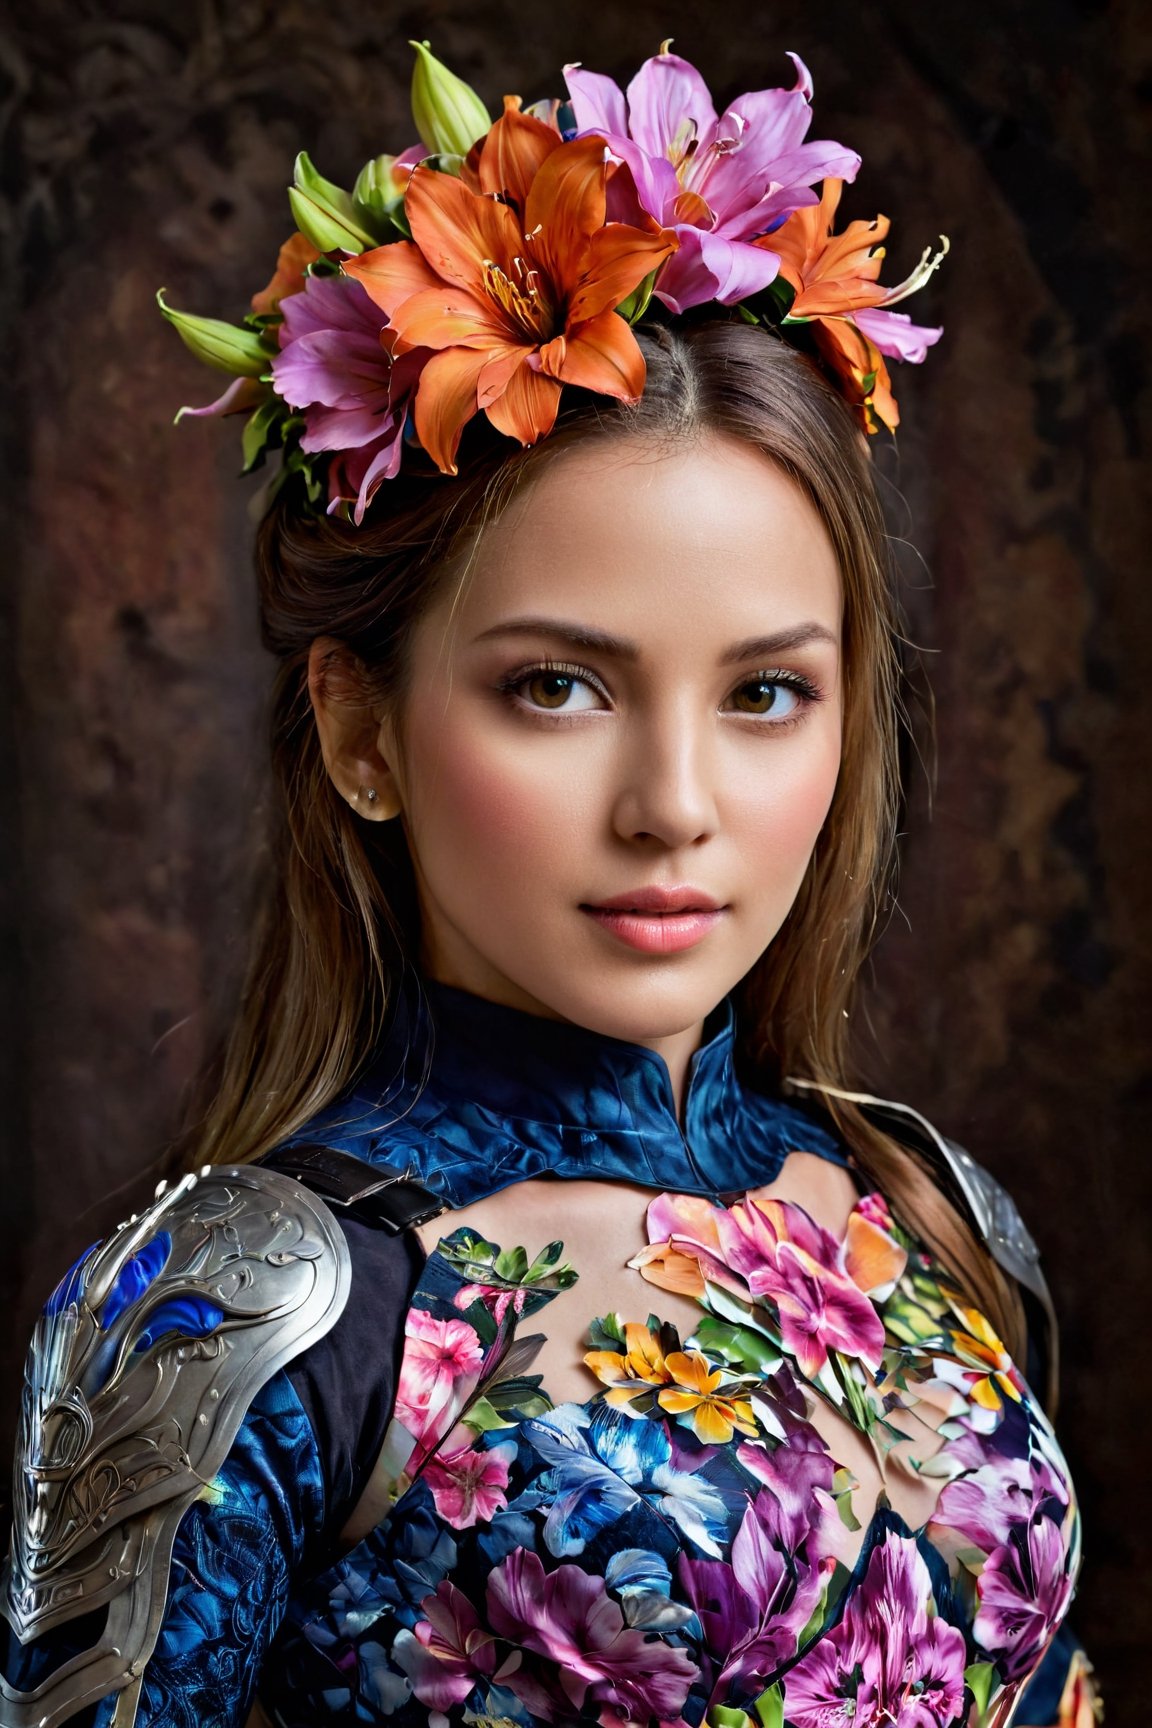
point(228, 347)
point(448, 113)
point(376, 194)
point(325, 213)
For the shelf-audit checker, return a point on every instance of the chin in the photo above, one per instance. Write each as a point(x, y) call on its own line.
point(655, 1005)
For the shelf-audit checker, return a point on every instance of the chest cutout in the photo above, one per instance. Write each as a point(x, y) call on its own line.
point(603, 1227)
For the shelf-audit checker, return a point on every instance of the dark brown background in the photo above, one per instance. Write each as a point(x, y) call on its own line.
point(147, 145)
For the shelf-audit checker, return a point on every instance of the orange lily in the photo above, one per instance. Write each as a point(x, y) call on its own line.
point(514, 286)
point(831, 273)
point(294, 258)
point(835, 276)
point(697, 1392)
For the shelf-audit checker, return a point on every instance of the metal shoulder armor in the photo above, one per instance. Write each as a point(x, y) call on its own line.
point(988, 1206)
point(142, 1368)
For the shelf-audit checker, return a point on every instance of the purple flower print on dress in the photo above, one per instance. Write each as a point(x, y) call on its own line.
point(717, 181)
point(753, 1611)
point(334, 366)
point(1018, 1511)
point(889, 1662)
point(579, 1651)
point(1024, 1592)
point(449, 1652)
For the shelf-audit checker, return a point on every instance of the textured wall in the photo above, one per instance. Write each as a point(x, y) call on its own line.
point(148, 145)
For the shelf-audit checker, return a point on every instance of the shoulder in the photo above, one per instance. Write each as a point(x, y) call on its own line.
point(142, 1368)
point(993, 1215)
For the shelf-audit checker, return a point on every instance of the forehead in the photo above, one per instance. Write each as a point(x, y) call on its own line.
point(706, 539)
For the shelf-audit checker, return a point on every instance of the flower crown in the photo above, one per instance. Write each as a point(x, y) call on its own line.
point(494, 262)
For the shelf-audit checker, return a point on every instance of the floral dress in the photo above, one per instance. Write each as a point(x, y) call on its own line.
point(681, 1547)
point(678, 1548)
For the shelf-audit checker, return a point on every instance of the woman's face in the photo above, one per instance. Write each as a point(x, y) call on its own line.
point(636, 690)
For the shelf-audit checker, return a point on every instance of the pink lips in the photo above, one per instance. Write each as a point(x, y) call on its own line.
point(658, 920)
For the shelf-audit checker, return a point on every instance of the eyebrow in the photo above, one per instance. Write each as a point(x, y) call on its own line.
point(621, 648)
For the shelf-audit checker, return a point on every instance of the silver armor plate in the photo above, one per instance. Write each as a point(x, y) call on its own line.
point(142, 1368)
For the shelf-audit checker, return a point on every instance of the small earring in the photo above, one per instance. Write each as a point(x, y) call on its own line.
point(373, 795)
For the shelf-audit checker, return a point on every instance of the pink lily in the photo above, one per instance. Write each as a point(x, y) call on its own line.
point(719, 182)
point(352, 380)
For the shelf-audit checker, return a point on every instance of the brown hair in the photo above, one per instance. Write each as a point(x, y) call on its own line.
point(340, 916)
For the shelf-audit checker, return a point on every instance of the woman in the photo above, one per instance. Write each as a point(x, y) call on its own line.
point(588, 763)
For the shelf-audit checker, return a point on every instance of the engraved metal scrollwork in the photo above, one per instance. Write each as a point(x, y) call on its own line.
point(141, 1369)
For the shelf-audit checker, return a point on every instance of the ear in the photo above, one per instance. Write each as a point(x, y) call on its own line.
point(353, 732)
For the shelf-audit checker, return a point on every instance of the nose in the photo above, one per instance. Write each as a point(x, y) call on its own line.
point(667, 789)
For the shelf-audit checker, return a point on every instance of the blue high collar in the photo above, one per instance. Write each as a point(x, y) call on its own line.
point(473, 1096)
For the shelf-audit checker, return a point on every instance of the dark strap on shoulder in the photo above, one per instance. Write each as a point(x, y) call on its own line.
point(380, 1194)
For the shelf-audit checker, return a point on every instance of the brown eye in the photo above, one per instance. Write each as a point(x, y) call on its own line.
point(765, 696)
point(550, 689)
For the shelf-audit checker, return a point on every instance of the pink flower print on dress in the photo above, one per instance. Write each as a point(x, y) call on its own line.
point(468, 1486)
point(889, 1662)
point(496, 1301)
point(442, 1362)
point(784, 1255)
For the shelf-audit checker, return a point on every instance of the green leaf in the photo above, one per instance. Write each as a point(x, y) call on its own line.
point(227, 347)
point(981, 1678)
point(607, 1333)
point(262, 432)
point(481, 1417)
point(512, 1264)
point(843, 1483)
point(769, 1707)
point(325, 213)
point(863, 1412)
point(545, 1262)
point(519, 1397)
point(744, 1348)
point(725, 1716)
point(729, 1307)
point(782, 294)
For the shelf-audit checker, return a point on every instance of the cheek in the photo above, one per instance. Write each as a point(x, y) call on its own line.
point(778, 813)
point(484, 811)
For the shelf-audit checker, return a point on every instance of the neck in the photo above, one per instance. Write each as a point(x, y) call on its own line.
point(677, 1049)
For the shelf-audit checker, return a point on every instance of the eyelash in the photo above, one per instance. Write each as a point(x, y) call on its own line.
point(804, 688)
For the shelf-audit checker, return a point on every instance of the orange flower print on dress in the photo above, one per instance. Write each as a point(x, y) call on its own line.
point(633, 1371)
point(514, 286)
point(713, 1407)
